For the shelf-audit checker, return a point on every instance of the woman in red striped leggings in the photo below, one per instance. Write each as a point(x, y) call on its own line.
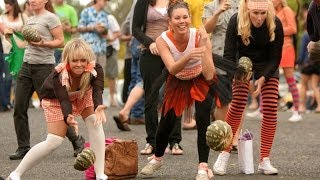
point(254, 32)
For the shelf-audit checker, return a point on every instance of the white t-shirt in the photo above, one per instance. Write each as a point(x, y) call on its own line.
point(15, 25)
point(113, 27)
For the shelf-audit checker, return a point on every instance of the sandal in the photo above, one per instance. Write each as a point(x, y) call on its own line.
point(176, 149)
point(124, 126)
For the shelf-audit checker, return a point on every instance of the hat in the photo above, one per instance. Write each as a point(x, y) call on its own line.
point(258, 5)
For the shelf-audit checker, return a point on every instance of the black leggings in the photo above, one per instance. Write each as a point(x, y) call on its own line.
point(151, 68)
point(168, 123)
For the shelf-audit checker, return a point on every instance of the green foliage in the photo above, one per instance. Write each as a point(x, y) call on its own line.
point(293, 4)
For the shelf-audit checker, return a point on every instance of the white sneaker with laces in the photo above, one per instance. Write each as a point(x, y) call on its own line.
point(151, 167)
point(255, 114)
point(296, 116)
point(220, 166)
point(265, 167)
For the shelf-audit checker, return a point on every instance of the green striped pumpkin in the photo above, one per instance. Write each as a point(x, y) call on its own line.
point(30, 34)
point(84, 160)
point(219, 135)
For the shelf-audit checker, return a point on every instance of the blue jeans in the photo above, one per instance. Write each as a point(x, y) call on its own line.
point(5, 82)
point(137, 112)
point(58, 55)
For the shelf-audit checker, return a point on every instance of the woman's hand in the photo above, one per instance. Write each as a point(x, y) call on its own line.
point(203, 36)
point(197, 53)
point(153, 49)
point(8, 31)
point(37, 44)
point(73, 123)
point(100, 114)
point(258, 85)
point(225, 5)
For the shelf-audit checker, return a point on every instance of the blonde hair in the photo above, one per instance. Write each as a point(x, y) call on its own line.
point(244, 23)
point(79, 49)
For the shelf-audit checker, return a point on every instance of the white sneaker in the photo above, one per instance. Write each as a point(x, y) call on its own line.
point(295, 117)
point(13, 176)
point(255, 114)
point(204, 173)
point(265, 167)
point(147, 150)
point(220, 166)
point(151, 167)
point(104, 177)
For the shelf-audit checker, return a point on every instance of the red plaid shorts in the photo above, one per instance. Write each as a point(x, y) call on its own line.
point(52, 107)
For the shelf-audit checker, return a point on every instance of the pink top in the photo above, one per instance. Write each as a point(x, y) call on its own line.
point(157, 22)
point(287, 18)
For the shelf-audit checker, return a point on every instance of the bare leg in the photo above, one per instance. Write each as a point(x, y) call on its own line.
point(112, 90)
point(315, 88)
point(134, 96)
point(303, 91)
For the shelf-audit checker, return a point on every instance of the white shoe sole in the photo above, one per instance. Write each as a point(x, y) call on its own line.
point(267, 172)
point(215, 172)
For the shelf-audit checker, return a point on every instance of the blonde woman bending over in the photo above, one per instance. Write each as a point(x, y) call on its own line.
point(74, 88)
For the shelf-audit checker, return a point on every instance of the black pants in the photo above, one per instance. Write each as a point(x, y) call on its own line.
point(169, 123)
point(127, 79)
point(30, 79)
point(151, 68)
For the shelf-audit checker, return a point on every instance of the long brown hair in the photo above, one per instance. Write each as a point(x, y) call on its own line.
point(16, 8)
point(49, 6)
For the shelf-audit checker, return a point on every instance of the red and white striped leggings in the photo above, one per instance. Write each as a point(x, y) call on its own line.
point(269, 95)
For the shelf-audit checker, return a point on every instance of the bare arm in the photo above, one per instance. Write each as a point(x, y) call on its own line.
point(199, 53)
point(125, 37)
point(57, 41)
point(2, 28)
point(290, 27)
point(208, 69)
point(173, 67)
point(210, 23)
point(114, 36)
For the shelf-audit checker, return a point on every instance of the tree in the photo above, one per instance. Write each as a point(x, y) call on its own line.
point(119, 8)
